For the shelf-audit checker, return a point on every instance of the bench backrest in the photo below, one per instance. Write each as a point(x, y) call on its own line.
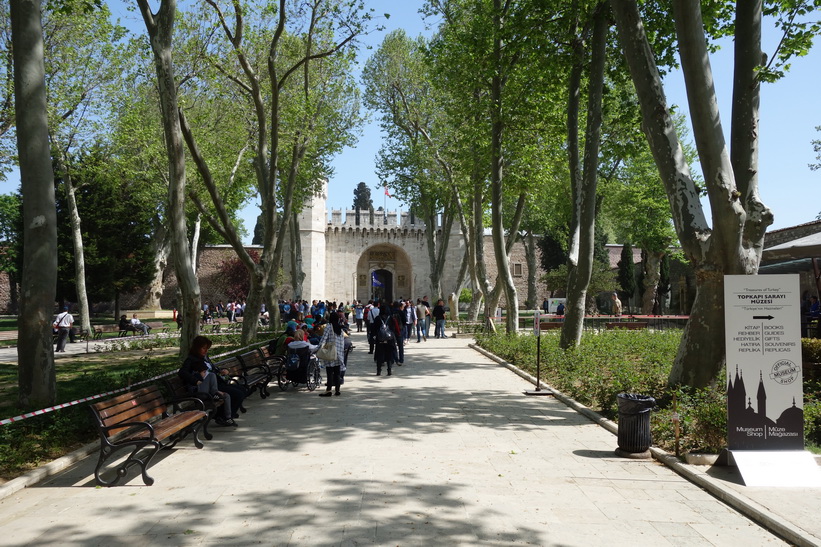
point(233, 365)
point(176, 387)
point(135, 406)
point(251, 359)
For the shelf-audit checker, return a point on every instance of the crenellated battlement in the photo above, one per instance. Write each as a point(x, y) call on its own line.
point(380, 219)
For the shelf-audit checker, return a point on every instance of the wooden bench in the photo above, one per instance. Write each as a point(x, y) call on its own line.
point(103, 329)
point(550, 325)
point(181, 400)
point(628, 325)
point(257, 372)
point(469, 327)
point(253, 380)
point(157, 326)
point(235, 325)
point(270, 359)
point(130, 329)
point(137, 420)
point(210, 328)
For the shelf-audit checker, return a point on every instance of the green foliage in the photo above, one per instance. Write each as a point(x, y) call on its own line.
point(116, 228)
point(812, 420)
point(626, 275)
point(362, 197)
point(702, 420)
point(552, 252)
point(466, 296)
point(602, 280)
point(811, 350)
point(613, 362)
point(11, 228)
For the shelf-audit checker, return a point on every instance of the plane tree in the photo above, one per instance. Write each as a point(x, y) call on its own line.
point(732, 240)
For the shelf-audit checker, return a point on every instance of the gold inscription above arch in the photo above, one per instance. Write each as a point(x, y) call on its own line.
point(382, 256)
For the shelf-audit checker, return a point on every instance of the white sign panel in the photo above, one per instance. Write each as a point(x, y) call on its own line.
point(765, 399)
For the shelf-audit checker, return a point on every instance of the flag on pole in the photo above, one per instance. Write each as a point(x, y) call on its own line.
point(386, 191)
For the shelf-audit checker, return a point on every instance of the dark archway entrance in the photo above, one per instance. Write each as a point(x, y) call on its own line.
point(382, 285)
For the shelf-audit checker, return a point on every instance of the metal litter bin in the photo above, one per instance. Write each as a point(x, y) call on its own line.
point(634, 424)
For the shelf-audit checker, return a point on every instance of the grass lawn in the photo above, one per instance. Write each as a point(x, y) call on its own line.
point(79, 377)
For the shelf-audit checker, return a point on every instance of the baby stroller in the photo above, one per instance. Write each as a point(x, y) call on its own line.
point(300, 366)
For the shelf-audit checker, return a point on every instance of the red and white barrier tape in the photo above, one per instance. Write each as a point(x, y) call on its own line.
point(42, 411)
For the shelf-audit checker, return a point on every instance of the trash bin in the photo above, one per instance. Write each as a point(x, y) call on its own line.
point(634, 423)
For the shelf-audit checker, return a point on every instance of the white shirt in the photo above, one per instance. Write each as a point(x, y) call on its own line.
point(373, 314)
point(64, 320)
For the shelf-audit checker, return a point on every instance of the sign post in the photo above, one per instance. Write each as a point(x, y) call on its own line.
point(765, 397)
point(537, 332)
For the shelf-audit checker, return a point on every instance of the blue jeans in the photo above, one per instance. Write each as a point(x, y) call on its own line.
point(439, 330)
point(420, 329)
point(427, 326)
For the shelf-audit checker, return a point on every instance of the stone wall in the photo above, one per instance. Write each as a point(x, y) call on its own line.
point(777, 237)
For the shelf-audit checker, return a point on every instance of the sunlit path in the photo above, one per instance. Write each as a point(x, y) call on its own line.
point(447, 451)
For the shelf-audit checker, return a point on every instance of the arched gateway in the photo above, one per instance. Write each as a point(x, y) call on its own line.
point(384, 272)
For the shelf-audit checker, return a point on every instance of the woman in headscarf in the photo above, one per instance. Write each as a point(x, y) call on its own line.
point(334, 368)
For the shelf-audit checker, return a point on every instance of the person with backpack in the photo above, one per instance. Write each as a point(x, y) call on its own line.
point(386, 332)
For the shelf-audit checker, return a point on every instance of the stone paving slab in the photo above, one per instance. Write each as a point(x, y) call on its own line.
point(445, 452)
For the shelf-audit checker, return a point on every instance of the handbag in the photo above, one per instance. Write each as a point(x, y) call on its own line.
point(328, 350)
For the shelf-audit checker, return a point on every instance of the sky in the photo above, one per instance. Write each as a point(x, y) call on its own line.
point(789, 115)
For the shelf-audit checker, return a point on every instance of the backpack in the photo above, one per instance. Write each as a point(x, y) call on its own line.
point(384, 333)
point(292, 362)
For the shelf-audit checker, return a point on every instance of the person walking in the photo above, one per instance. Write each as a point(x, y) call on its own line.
point(386, 335)
point(427, 316)
point(335, 368)
point(63, 324)
point(372, 314)
point(410, 320)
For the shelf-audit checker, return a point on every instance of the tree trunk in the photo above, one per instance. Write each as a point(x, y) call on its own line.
point(585, 196)
point(700, 357)
point(152, 294)
point(35, 353)
point(195, 240)
point(497, 175)
point(160, 31)
point(734, 243)
point(77, 239)
point(297, 268)
point(652, 274)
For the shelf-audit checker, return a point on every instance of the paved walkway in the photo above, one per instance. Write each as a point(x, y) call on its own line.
point(445, 452)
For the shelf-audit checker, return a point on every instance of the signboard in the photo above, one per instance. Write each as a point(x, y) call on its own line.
point(537, 317)
point(765, 398)
point(553, 304)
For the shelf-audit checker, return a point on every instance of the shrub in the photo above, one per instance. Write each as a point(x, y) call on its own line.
point(811, 350)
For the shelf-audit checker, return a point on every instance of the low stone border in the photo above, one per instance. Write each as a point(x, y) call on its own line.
point(48, 470)
point(747, 507)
